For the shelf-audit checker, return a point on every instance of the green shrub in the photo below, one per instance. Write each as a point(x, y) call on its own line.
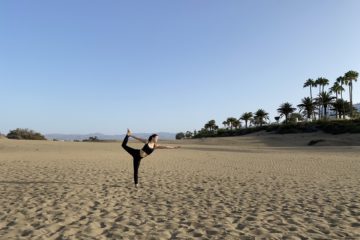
point(180, 135)
point(24, 133)
point(92, 139)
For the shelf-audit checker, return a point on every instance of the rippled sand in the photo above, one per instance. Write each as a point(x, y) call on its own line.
point(61, 190)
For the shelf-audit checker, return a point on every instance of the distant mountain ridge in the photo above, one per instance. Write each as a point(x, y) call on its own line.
point(71, 137)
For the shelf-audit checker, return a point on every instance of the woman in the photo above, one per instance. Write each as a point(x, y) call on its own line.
point(139, 154)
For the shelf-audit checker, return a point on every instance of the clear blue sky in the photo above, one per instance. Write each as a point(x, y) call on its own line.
point(102, 66)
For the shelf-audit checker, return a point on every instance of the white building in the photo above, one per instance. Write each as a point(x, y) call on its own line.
point(357, 106)
point(332, 113)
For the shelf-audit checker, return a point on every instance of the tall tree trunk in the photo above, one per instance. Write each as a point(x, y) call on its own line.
point(311, 98)
point(342, 102)
point(351, 105)
point(336, 108)
point(319, 103)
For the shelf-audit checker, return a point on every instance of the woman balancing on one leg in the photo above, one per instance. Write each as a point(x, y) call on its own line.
point(138, 154)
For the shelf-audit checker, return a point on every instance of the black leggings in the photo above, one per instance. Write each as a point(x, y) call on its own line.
point(135, 153)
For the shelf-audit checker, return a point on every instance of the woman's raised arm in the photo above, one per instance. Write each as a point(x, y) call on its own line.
point(129, 133)
point(139, 139)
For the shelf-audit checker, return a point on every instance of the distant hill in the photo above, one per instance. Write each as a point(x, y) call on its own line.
point(71, 137)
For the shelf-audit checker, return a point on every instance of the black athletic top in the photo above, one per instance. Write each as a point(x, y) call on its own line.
point(147, 149)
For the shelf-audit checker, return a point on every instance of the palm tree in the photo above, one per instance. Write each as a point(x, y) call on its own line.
point(310, 83)
point(336, 88)
point(188, 134)
point(236, 123)
point(321, 82)
point(260, 115)
point(211, 125)
point(231, 121)
point(246, 117)
point(341, 81)
point(351, 76)
point(318, 84)
point(225, 123)
point(307, 106)
point(325, 99)
point(342, 107)
point(286, 109)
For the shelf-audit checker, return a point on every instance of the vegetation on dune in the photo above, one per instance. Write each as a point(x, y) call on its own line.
point(96, 139)
point(326, 111)
point(92, 139)
point(24, 133)
point(180, 135)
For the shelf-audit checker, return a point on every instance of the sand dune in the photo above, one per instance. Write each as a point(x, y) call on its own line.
point(234, 188)
point(264, 139)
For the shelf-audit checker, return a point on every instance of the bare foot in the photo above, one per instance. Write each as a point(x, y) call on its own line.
point(136, 185)
point(128, 132)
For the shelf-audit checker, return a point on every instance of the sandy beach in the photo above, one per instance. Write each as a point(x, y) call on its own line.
point(260, 186)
